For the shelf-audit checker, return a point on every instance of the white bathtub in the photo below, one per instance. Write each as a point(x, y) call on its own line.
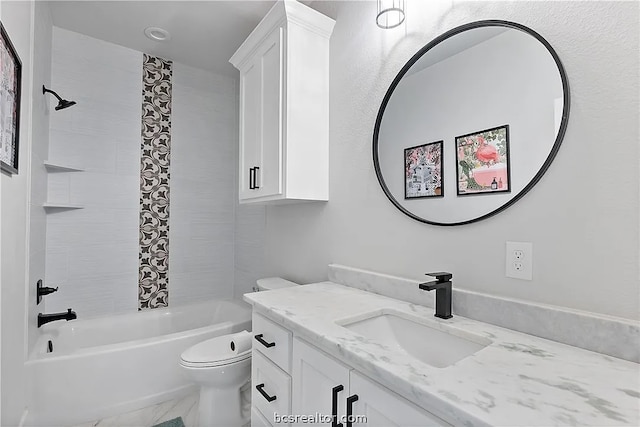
point(106, 366)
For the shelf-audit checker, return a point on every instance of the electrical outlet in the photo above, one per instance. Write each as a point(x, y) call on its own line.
point(519, 260)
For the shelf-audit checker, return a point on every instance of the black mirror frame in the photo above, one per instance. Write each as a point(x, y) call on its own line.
point(415, 58)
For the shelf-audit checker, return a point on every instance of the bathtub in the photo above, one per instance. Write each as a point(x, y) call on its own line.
point(107, 366)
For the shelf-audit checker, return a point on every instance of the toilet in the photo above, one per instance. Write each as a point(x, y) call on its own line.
point(223, 371)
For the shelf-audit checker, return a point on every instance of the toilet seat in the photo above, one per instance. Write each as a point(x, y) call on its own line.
point(211, 353)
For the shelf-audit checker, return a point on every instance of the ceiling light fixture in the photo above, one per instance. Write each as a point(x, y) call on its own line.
point(157, 34)
point(390, 13)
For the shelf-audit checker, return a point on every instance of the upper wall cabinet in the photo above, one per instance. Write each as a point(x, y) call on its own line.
point(284, 106)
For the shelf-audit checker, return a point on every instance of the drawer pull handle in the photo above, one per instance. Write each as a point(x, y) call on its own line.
point(250, 178)
point(350, 402)
point(263, 342)
point(260, 388)
point(334, 405)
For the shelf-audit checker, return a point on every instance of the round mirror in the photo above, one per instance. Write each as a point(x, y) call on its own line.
point(471, 123)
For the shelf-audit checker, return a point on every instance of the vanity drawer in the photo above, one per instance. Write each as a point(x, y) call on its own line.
point(270, 388)
point(273, 341)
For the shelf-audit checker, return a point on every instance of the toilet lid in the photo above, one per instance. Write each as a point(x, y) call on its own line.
point(213, 352)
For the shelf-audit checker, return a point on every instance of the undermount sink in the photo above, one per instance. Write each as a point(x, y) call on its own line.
point(437, 345)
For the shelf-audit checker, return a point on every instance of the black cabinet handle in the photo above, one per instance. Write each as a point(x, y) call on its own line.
point(252, 178)
point(334, 405)
point(350, 402)
point(263, 342)
point(260, 388)
point(255, 177)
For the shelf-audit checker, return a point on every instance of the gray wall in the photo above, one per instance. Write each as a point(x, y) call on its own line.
point(582, 217)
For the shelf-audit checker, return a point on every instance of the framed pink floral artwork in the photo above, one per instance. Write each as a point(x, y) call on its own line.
point(482, 160)
point(423, 171)
point(10, 80)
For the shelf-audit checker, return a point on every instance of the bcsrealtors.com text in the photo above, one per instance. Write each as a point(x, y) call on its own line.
point(316, 418)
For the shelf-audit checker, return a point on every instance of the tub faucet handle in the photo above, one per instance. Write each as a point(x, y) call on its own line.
point(43, 290)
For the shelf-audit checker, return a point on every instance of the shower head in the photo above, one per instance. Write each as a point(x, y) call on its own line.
point(62, 103)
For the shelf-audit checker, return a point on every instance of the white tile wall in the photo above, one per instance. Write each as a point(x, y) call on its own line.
point(93, 253)
point(249, 249)
point(203, 165)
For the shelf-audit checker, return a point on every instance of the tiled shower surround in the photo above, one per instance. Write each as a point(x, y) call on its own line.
point(93, 254)
point(153, 281)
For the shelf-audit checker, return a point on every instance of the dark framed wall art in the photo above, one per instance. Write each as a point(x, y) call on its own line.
point(10, 89)
point(482, 160)
point(423, 170)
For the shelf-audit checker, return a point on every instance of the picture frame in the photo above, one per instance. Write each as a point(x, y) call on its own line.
point(10, 91)
point(483, 162)
point(424, 171)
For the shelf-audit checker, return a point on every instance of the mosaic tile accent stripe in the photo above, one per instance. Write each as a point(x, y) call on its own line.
point(153, 272)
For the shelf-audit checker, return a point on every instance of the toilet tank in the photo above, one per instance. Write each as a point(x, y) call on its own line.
point(274, 283)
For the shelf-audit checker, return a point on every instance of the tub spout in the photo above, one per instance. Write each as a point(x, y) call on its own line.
point(46, 318)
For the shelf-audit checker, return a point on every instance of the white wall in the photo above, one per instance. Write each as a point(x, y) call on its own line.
point(27, 24)
point(582, 217)
point(92, 253)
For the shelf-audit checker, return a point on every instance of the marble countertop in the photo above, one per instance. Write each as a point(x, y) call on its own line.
point(517, 380)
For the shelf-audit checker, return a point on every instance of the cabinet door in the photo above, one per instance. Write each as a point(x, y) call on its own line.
point(317, 378)
point(383, 408)
point(270, 177)
point(257, 419)
point(250, 126)
point(261, 106)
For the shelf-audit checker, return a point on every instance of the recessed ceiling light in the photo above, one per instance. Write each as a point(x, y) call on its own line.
point(157, 34)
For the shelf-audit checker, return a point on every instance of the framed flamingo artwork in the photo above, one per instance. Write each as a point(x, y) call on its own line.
point(483, 162)
point(423, 171)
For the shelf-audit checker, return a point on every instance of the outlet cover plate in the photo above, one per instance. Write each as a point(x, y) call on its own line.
point(519, 260)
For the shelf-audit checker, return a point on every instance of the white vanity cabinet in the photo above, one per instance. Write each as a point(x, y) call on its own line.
point(383, 408)
point(324, 385)
point(270, 368)
point(320, 383)
point(291, 377)
point(284, 106)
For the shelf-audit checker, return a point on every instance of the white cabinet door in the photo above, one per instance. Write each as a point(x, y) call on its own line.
point(269, 176)
point(250, 126)
point(320, 384)
point(383, 408)
point(261, 104)
point(257, 419)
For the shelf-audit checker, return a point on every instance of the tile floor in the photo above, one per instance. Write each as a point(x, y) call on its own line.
point(185, 407)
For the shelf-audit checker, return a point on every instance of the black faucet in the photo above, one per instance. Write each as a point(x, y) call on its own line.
point(46, 318)
point(442, 285)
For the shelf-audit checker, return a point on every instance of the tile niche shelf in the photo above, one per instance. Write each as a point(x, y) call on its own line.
point(56, 167)
point(59, 167)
